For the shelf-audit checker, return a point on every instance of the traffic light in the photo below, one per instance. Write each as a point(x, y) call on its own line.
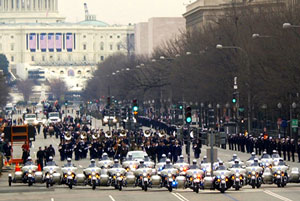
point(234, 99)
point(180, 107)
point(211, 118)
point(135, 107)
point(188, 114)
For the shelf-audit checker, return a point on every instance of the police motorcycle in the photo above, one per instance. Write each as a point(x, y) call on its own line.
point(194, 177)
point(148, 163)
point(92, 174)
point(27, 174)
point(266, 164)
point(105, 162)
point(182, 167)
point(117, 175)
point(280, 174)
point(161, 163)
point(237, 175)
point(275, 158)
point(143, 176)
point(207, 173)
point(221, 180)
point(254, 173)
point(231, 162)
point(51, 173)
point(294, 175)
point(69, 174)
point(168, 175)
point(130, 164)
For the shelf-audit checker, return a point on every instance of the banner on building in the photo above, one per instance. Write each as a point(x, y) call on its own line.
point(43, 42)
point(51, 42)
point(58, 42)
point(69, 42)
point(32, 42)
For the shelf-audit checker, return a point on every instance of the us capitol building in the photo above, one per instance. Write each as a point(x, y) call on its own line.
point(39, 44)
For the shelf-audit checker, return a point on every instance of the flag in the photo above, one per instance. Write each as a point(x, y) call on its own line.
point(32, 42)
point(69, 42)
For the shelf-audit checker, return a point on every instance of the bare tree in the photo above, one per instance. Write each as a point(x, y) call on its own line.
point(4, 91)
point(25, 87)
point(58, 88)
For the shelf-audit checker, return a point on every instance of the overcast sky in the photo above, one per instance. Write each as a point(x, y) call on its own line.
point(122, 11)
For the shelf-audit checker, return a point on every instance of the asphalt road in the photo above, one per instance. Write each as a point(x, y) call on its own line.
point(39, 192)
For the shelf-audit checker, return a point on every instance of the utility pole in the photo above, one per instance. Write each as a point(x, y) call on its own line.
point(211, 120)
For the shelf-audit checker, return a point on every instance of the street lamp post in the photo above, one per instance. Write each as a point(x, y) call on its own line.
point(279, 105)
point(220, 47)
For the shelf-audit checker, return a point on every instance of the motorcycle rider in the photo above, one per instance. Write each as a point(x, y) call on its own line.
point(255, 163)
point(116, 164)
point(129, 158)
point(236, 164)
point(104, 157)
point(50, 162)
point(281, 162)
point(204, 159)
point(181, 159)
point(69, 163)
point(234, 157)
point(221, 166)
point(194, 166)
point(265, 155)
point(142, 164)
point(275, 154)
point(252, 156)
point(29, 161)
point(168, 164)
point(93, 163)
point(163, 158)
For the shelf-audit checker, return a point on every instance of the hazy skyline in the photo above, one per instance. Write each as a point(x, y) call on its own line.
point(122, 11)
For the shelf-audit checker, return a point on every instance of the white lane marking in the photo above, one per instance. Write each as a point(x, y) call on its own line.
point(111, 197)
point(277, 196)
point(182, 196)
point(178, 197)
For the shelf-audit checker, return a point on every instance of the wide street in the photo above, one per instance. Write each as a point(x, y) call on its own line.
point(55, 193)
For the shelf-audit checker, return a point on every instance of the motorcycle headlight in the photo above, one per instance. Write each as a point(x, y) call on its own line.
point(222, 177)
point(169, 175)
point(181, 169)
point(51, 171)
point(93, 173)
point(69, 172)
point(144, 174)
point(30, 171)
point(253, 172)
point(118, 174)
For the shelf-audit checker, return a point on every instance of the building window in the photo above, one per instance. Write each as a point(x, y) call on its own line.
point(101, 36)
point(102, 58)
point(111, 47)
point(12, 47)
point(79, 72)
point(61, 72)
point(51, 57)
point(110, 36)
point(119, 47)
point(58, 58)
point(32, 58)
point(84, 36)
point(84, 58)
point(118, 36)
point(12, 37)
point(12, 59)
point(43, 58)
point(84, 46)
point(101, 46)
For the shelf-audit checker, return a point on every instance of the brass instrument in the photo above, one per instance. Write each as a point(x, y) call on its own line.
point(108, 134)
point(68, 136)
point(147, 133)
point(123, 133)
point(83, 135)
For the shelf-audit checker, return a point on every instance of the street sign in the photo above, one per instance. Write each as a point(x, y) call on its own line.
point(294, 123)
